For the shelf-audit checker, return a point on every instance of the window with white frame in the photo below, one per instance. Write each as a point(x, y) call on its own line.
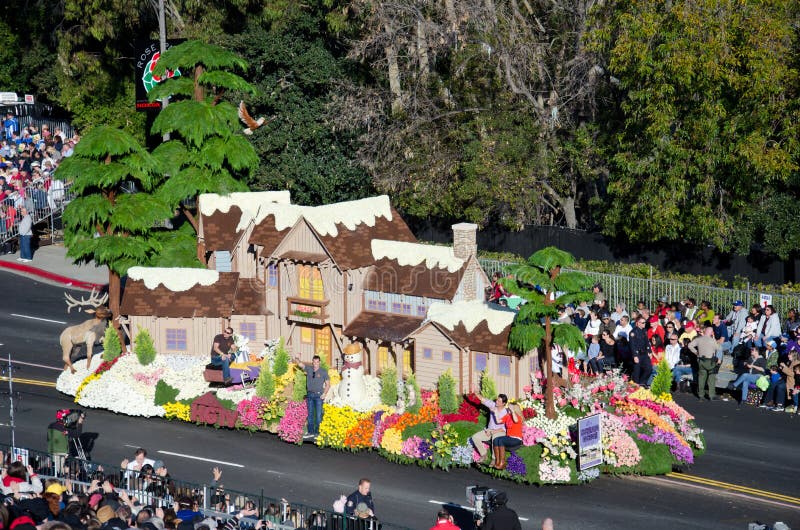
point(176, 339)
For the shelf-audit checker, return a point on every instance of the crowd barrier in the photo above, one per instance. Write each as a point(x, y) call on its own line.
point(218, 502)
point(630, 290)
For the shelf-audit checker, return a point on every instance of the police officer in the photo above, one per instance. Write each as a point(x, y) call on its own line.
point(640, 348)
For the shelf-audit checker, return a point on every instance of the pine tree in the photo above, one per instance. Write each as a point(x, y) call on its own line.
point(206, 153)
point(281, 363)
point(143, 347)
point(662, 382)
point(448, 399)
point(389, 387)
point(543, 270)
point(103, 223)
point(488, 388)
point(111, 347)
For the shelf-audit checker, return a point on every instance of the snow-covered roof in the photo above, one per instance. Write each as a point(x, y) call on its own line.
point(411, 254)
point(250, 203)
point(470, 313)
point(173, 278)
point(325, 218)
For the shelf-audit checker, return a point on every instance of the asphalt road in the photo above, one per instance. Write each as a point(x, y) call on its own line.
point(748, 447)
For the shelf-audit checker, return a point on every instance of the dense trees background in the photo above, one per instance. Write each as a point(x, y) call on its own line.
point(648, 120)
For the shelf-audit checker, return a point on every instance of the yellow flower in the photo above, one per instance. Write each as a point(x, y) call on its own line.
point(392, 441)
point(177, 411)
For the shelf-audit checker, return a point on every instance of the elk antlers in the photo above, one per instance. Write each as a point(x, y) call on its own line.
point(95, 300)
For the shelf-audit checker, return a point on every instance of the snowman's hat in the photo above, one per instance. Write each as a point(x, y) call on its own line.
point(353, 348)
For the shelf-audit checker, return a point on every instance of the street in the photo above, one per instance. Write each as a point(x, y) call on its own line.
point(750, 448)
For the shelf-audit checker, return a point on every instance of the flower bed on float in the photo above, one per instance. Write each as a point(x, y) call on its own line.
point(641, 433)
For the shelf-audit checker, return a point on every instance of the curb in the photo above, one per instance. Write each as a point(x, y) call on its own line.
point(51, 276)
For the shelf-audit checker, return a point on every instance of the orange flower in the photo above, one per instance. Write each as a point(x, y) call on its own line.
point(360, 436)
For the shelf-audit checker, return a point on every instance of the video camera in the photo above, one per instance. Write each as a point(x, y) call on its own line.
point(73, 416)
point(484, 500)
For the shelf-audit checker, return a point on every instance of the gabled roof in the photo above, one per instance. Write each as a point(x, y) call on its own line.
point(348, 242)
point(214, 300)
point(389, 276)
point(472, 324)
point(382, 326)
point(225, 217)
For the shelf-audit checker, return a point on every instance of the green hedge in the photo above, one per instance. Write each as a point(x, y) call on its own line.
point(465, 429)
point(423, 430)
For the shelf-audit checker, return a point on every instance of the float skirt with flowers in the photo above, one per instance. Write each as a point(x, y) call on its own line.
point(641, 433)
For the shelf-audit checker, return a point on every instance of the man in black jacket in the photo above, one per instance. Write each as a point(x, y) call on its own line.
point(501, 517)
point(362, 494)
point(640, 349)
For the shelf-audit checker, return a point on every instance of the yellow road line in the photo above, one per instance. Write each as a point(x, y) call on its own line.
point(23, 381)
point(735, 487)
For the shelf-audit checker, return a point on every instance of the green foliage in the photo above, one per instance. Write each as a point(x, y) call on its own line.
point(111, 346)
point(448, 399)
point(423, 430)
point(280, 365)
point(411, 382)
point(700, 114)
point(227, 403)
point(464, 430)
point(164, 393)
point(662, 382)
point(531, 455)
point(143, 347)
point(265, 384)
point(301, 71)
point(389, 387)
point(299, 388)
point(487, 386)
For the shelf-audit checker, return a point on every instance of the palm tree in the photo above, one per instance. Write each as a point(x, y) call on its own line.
point(544, 287)
point(206, 152)
point(103, 223)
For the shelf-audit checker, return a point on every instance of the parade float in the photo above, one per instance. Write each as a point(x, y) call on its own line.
point(404, 330)
point(642, 433)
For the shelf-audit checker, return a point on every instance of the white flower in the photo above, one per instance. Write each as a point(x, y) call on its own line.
point(68, 382)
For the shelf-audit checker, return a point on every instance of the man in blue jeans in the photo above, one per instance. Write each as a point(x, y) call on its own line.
point(317, 385)
point(756, 367)
point(221, 353)
point(25, 236)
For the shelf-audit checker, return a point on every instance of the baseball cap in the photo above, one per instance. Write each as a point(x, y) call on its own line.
point(653, 319)
point(738, 302)
point(690, 324)
point(623, 335)
point(58, 489)
point(773, 344)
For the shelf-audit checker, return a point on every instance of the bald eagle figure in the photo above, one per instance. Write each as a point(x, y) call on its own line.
point(251, 124)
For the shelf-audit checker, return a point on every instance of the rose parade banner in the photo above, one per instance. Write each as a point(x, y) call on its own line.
point(147, 55)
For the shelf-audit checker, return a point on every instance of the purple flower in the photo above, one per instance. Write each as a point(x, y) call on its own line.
point(425, 450)
point(516, 465)
point(680, 451)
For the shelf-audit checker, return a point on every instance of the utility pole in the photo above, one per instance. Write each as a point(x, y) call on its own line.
point(162, 37)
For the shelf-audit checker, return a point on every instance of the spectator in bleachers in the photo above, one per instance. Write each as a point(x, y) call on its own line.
point(619, 312)
point(690, 309)
point(624, 326)
point(20, 481)
point(756, 367)
point(736, 320)
point(792, 321)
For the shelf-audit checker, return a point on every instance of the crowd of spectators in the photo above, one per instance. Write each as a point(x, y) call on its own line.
point(28, 159)
point(142, 495)
point(693, 338)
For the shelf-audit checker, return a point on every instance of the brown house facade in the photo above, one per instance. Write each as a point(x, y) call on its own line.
point(324, 277)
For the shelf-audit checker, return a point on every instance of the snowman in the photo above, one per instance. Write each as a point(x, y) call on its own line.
point(352, 389)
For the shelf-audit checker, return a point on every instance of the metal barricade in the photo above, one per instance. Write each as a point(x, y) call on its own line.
point(217, 502)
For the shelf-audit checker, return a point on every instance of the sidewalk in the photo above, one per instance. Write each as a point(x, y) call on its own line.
point(50, 264)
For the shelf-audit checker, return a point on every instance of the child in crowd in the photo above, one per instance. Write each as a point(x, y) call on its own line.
point(594, 351)
point(749, 330)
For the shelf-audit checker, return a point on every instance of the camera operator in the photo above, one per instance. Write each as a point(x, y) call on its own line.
point(61, 436)
point(500, 516)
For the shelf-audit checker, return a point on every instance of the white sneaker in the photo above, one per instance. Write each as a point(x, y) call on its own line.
point(26, 260)
point(764, 406)
point(777, 409)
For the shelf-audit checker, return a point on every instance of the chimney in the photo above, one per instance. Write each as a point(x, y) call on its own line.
point(465, 243)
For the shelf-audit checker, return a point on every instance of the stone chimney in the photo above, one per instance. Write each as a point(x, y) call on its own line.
point(465, 240)
point(465, 244)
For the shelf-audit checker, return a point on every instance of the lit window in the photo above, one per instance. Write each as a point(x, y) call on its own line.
point(272, 275)
point(427, 353)
point(447, 356)
point(248, 329)
point(480, 362)
point(176, 339)
point(422, 311)
point(503, 365)
point(306, 335)
point(406, 309)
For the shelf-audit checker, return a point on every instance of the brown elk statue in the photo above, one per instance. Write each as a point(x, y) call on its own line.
point(89, 332)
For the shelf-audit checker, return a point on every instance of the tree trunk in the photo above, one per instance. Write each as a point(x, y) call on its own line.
point(394, 75)
point(114, 299)
point(422, 52)
point(570, 216)
point(199, 93)
point(549, 398)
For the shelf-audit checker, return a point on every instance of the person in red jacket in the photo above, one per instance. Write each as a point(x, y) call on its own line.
point(444, 521)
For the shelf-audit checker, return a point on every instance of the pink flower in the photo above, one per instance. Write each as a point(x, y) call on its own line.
point(538, 374)
point(562, 402)
point(526, 389)
point(293, 424)
point(611, 385)
point(574, 402)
